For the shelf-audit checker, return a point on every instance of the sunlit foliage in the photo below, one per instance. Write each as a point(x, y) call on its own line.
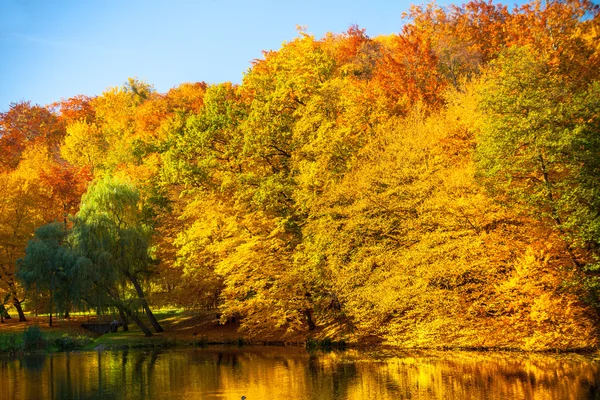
point(435, 187)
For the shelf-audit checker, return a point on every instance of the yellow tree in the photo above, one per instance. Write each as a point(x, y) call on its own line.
point(84, 145)
point(24, 206)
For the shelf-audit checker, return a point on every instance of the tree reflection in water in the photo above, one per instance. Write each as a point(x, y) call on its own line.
point(277, 373)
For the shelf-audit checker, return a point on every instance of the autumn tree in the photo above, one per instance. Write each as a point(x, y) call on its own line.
point(23, 126)
point(425, 188)
point(24, 207)
point(536, 144)
point(407, 72)
point(84, 146)
point(73, 109)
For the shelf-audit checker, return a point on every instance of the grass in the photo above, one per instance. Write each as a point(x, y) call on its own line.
point(34, 339)
point(130, 340)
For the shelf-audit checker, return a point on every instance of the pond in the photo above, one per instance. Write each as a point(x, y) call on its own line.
point(272, 373)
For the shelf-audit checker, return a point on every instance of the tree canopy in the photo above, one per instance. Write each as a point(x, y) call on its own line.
point(436, 187)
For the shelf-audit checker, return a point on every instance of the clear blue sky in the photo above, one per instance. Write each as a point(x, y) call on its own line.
point(53, 49)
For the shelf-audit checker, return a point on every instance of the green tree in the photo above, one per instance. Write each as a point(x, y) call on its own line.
point(111, 232)
point(51, 266)
point(538, 146)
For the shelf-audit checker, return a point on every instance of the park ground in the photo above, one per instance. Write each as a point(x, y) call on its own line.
point(181, 328)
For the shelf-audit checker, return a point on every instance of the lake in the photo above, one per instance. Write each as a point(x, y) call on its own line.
point(272, 373)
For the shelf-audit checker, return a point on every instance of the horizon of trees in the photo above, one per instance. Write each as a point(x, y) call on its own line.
point(437, 187)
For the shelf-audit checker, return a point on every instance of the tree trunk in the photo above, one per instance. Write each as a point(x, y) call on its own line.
point(140, 292)
point(309, 320)
point(137, 321)
point(17, 305)
point(51, 303)
point(555, 216)
point(127, 311)
point(124, 320)
point(65, 215)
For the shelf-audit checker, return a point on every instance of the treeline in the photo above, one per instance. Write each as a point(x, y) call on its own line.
point(435, 187)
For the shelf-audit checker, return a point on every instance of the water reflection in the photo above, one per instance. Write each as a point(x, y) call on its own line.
point(284, 373)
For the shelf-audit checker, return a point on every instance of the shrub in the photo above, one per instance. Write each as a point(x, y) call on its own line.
point(9, 343)
point(33, 339)
point(66, 343)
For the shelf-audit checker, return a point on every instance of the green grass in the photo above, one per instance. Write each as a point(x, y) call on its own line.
point(166, 313)
point(33, 339)
point(131, 339)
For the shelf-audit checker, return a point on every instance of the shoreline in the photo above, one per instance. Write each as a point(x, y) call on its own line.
point(197, 329)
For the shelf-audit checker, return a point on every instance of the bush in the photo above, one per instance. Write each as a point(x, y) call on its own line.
point(33, 339)
point(66, 343)
point(9, 343)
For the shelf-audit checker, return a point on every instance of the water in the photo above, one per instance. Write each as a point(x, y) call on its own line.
point(271, 373)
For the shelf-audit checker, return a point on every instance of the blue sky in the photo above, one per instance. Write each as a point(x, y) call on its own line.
point(53, 49)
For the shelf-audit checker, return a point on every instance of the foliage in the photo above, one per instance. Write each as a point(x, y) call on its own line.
point(67, 342)
point(24, 207)
point(110, 231)
point(24, 126)
point(50, 265)
point(33, 339)
point(437, 187)
point(10, 343)
point(538, 148)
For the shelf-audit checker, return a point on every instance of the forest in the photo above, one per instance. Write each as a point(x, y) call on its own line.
point(437, 187)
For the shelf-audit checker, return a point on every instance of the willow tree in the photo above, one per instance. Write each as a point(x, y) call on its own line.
point(110, 231)
point(50, 266)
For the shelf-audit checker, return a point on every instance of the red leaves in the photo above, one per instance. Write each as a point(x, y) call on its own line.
point(408, 71)
point(77, 108)
point(67, 184)
point(24, 125)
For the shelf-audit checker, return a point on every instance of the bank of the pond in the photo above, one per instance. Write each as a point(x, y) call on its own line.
point(181, 328)
point(34, 339)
